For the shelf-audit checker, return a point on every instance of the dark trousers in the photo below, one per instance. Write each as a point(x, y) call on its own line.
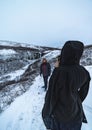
point(45, 81)
point(60, 126)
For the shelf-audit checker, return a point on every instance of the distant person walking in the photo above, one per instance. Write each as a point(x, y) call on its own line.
point(45, 70)
point(68, 87)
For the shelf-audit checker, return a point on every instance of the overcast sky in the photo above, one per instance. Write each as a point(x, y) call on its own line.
point(46, 22)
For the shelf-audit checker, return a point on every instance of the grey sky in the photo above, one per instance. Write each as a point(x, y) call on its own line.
point(46, 22)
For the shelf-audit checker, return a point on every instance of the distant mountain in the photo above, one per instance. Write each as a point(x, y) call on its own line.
point(21, 46)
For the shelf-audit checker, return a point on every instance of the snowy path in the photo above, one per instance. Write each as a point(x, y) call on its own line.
point(25, 112)
point(88, 104)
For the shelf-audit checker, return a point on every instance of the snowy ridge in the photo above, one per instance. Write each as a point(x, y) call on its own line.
point(25, 112)
point(17, 44)
point(26, 45)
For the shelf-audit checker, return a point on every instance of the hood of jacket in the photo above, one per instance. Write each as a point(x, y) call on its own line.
point(71, 53)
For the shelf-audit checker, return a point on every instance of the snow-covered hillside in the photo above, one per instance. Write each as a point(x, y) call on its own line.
point(25, 112)
point(25, 45)
point(19, 73)
point(17, 82)
point(17, 44)
point(14, 55)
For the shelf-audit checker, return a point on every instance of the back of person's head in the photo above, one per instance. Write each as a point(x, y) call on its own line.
point(71, 53)
point(44, 60)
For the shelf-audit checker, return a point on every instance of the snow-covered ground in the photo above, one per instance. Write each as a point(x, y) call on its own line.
point(7, 52)
point(15, 75)
point(52, 54)
point(88, 104)
point(25, 112)
point(11, 76)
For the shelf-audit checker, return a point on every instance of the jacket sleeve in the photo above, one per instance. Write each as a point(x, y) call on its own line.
point(59, 82)
point(84, 90)
point(46, 107)
point(56, 83)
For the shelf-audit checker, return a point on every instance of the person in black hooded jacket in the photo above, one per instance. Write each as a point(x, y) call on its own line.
point(68, 87)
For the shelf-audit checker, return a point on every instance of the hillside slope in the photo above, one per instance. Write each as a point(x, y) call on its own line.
point(19, 66)
point(25, 112)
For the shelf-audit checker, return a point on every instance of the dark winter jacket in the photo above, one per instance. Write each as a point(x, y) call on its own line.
point(45, 69)
point(68, 86)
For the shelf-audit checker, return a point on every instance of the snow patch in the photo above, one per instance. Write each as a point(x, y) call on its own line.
point(7, 52)
point(52, 54)
point(25, 112)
